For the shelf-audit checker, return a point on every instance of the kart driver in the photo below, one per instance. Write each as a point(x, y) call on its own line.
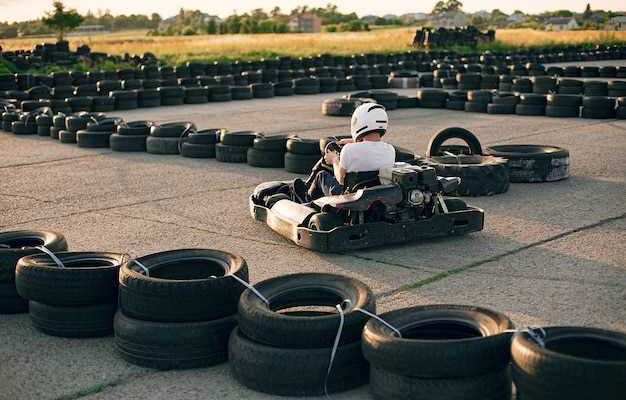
point(364, 152)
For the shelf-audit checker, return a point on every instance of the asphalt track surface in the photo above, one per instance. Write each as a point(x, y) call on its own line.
point(550, 254)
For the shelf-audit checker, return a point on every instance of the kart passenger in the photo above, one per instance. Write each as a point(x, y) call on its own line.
point(363, 153)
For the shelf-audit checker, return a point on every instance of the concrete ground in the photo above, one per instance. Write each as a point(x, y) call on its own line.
point(550, 254)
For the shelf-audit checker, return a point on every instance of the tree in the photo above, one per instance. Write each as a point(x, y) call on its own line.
point(211, 28)
point(62, 20)
point(443, 6)
point(588, 13)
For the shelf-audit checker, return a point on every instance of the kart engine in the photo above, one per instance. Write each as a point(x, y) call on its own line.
point(419, 186)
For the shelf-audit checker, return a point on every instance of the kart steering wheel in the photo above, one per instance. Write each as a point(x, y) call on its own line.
point(331, 146)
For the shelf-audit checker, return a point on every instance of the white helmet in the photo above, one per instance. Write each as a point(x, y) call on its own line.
point(368, 117)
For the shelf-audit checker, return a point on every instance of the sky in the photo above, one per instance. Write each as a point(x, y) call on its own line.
point(18, 10)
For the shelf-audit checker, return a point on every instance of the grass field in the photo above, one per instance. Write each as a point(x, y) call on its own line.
point(182, 48)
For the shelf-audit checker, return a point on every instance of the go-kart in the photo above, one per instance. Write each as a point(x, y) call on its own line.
point(393, 205)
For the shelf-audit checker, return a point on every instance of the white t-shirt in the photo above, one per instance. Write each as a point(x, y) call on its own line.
point(367, 156)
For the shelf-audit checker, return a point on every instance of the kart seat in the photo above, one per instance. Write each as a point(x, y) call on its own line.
point(354, 181)
point(362, 199)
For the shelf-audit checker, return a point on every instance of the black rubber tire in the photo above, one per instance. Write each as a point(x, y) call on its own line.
point(54, 132)
point(295, 372)
point(577, 363)
point(74, 123)
point(149, 103)
point(186, 292)
point(89, 278)
point(193, 150)
point(43, 130)
point(20, 128)
point(134, 128)
point(564, 100)
point(10, 301)
point(480, 175)
point(439, 341)
point(239, 138)
point(385, 385)
point(595, 113)
point(265, 158)
point(231, 154)
point(453, 133)
point(455, 105)
point(173, 345)
point(500, 109)
point(340, 107)
point(162, 145)
point(271, 143)
point(471, 106)
point(75, 321)
point(265, 325)
point(55, 242)
point(93, 139)
point(171, 130)
point(127, 142)
point(300, 163)
point(325, 221)
point(562, 111)
point(67, 136)
point(533, 163)
point(526, 109)
point(297, 145)
point(204, 136)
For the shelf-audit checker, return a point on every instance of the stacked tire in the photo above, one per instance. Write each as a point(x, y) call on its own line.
point(620, 112)
point(130, 136)
point(233, 146)
point(284, 348)
point(179, 311)
point(58, 124)
point(598, 107)
point(97, 133)
point(340, 107)
point(444, 352)
point(13, 246)
point(147, 98)
point(73, 124)
point(563, 105)
point(478, 100)
point(572, 363)
point(172, 95)
point(503, 103)
point(75, 299)
point(301, 155)
point(165, 138)
point(432, 98)
point(200, 144)
point(533, 163)
point(268, 152)
point(531, 104)
point(481, 175)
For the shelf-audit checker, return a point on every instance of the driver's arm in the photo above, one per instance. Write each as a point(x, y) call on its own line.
point(338, 170)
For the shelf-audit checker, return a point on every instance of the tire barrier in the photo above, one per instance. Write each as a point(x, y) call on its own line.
point(72, 295)
point(301, 155)
point(279, 351)
point(439, 352)
point(177, 308)
point(13, 246)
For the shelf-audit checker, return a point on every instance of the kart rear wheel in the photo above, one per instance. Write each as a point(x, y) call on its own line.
point(325, 221)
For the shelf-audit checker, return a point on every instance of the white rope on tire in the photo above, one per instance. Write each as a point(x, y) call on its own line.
point(54, 258)
point(252, 288)
point(538, 338)
point(335, 347)
point(143, 267)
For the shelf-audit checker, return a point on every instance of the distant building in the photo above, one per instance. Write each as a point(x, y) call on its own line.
point(617, 23)
point(449, 19)
point(370, 19)
point(305, 22)
point(516, 18)
point(561, 24)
